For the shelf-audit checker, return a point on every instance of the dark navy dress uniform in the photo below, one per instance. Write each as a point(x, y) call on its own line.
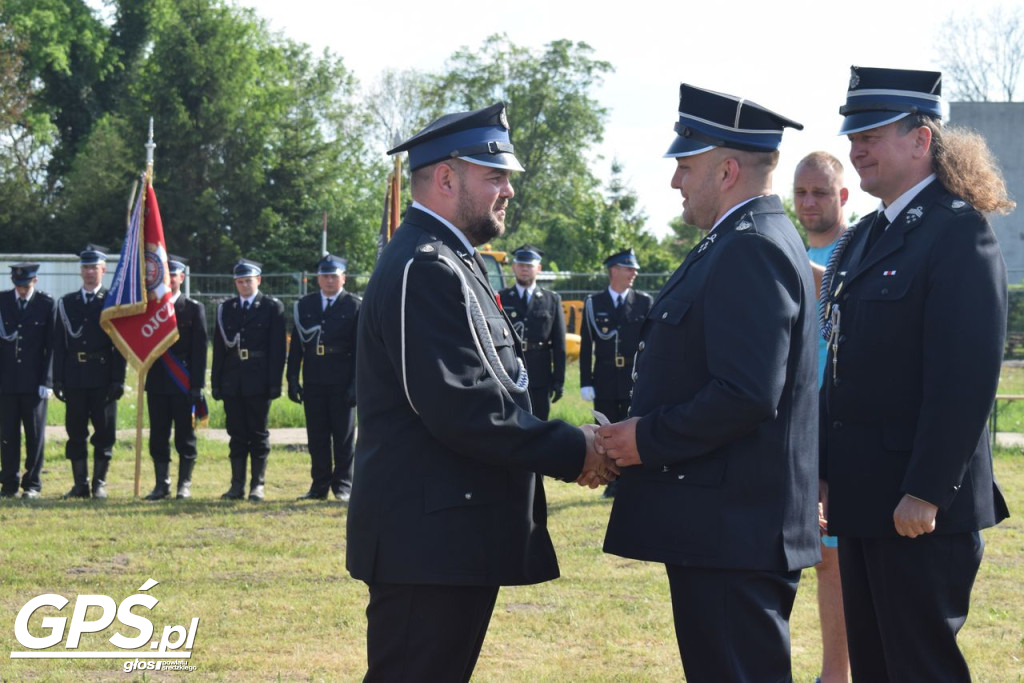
point(168, 404)
point(917, 324)
point(606, 364)
point(726, 396)
point(540, 325)
point(89, 372)
point(26, 364)
point(323, 353)
point(447, 500)
point(248, 364)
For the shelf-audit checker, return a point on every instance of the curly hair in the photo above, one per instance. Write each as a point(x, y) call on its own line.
point(965, 165)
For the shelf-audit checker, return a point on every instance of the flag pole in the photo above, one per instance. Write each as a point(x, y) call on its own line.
point(140, 406)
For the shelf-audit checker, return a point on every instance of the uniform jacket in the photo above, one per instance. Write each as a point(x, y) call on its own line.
point(190, 349)
point(541, 326)
point(923, 318)
point(90, 360)
point(726, 393)
point(447, 486)
point(26, 363)
point(253, 366)
point(328, 358)
point(598, 367)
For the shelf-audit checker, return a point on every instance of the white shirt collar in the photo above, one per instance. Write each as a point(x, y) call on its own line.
point(614, 295)
point(94, 292)
point(730, 211)
point(458, 233)
point(249, 300)
point(17, 297)
point(896, 208)
point(324, 298)
point(524, 290)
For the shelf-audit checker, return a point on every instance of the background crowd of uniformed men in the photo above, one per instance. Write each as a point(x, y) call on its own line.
point(58, 348)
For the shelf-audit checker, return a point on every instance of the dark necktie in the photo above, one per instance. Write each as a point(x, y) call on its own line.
point(330, 302)
point(877, 228)
point(245, 306)
point(618, 301)
point(88, 297)
point(22, 304)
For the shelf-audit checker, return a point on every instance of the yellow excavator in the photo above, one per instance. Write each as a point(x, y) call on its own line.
point(572, 310)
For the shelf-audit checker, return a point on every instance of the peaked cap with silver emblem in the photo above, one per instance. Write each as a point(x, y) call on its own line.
point(479, 137)
point(881, 96)
point(247, 268)
point(710, 119)
point(527, 253)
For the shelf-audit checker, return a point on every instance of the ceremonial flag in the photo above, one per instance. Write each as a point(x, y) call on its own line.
point(137, 313)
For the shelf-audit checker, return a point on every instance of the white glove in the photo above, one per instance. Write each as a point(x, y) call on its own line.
point(587, 393)
point(45, 392)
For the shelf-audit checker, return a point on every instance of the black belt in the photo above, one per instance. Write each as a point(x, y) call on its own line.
point(85, 357)
point(322, 350)
point(246, 354)
point(536, 346)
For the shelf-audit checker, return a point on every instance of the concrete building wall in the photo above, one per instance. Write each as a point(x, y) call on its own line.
point(1002, 125)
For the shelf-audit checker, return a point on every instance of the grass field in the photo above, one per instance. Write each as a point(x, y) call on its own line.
point(268, 584)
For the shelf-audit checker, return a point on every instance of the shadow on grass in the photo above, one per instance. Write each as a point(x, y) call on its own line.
point(177, 508)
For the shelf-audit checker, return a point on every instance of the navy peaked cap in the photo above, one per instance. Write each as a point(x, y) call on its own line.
point(331, 265)
point(24, 272)
point(626, 257)
point(711, 119)
point(527, 253)
point(877, 97)
point(247, 268)
point(175, 264)
point(92, 254)
point(479, 137)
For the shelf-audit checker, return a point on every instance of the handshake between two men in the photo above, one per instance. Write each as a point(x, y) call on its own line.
point(610, 447)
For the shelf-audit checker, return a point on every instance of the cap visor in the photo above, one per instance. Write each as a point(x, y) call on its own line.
point(687, 147)
point(861, 121)
point(503, 160)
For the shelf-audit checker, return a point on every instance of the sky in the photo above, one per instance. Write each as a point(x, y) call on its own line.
point(792, 56)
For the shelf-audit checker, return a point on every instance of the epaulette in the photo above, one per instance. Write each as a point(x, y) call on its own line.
point(745, 222)
point(43, 294)
point(429, 251)
point(956, 204)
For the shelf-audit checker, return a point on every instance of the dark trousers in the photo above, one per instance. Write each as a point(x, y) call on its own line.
point(17, 410)
point(166, 410)
point(541, 400)
point(906, 599)
point(426, 633)
point(733, 625)
point(85, 406)
point(614, 410)
point(246, 420)
point(330, 425)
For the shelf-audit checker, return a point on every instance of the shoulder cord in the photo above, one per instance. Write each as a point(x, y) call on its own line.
point(220, 324)
point(12, 337)
point(306, 334)
point(74, 334)
point(481, 337)
point(588, 307)
point(825, 321)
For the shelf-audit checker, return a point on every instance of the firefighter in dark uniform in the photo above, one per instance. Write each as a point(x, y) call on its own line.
point(447, 497)
point(174, 391)
point(611, 331)
point(537, 318)
point(249, 343)
point(323, 348)
point(915, 296)
point(88, 375)
point(26, 377)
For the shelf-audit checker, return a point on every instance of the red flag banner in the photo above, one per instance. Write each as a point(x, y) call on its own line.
point(138, 313)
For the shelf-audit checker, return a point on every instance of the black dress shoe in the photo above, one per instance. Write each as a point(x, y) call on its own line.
point(312, 495)
point(8, 494)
